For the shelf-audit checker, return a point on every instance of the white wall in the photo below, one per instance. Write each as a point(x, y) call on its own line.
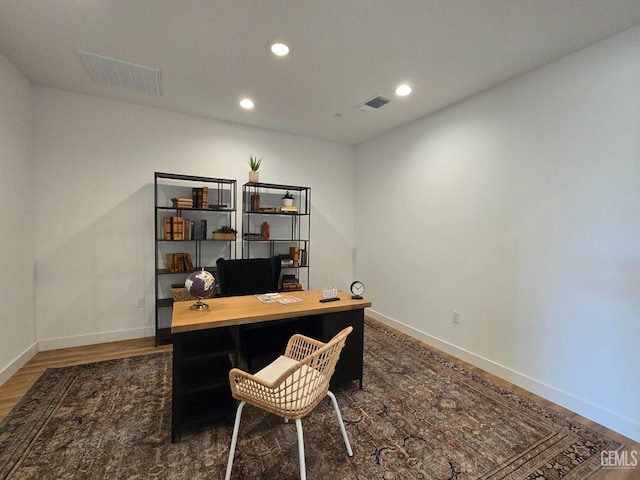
point(17, 284)
point(95, 161)
point(520, 209)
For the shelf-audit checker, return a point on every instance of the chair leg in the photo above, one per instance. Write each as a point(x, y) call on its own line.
point(303, 468)
point(234, 440)
point(342, 429)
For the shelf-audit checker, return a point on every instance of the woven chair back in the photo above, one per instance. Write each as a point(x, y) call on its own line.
point(301, 386)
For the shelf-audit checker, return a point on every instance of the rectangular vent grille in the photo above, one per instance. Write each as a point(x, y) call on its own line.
point(122, 74)
point(373, 103)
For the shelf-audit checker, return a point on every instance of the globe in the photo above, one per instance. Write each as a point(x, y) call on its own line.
point(200, 284)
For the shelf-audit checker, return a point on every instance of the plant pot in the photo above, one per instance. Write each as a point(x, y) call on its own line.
point(287, 202)
point(254, 176)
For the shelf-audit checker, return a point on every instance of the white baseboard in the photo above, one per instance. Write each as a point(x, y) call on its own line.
point(612, 420)
point(94, 338)
point(75, 341)
point(17, 363)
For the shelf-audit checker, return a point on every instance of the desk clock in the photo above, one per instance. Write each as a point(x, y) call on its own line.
point(357, 289)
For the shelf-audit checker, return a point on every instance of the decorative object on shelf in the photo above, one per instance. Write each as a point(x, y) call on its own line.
point(200, 285)
point(254, 164)
point(287, 204)
point(287, 200)
point(265, 230)
point(224, 233)
point(357, 290)
point(255, 203)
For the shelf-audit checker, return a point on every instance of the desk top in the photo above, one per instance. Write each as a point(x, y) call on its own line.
point(241, 310)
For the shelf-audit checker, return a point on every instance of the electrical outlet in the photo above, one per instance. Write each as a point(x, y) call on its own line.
point(140, 302)
point(456, 317)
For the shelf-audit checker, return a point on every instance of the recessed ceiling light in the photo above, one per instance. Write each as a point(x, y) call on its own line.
point(403, 90)
point(279, 49)
point(246, 103)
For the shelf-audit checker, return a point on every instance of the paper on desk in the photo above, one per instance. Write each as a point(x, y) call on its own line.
point(279, 298)
point(267, 297)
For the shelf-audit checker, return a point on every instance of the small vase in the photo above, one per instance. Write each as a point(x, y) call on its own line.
point(255, 203)
point(254, 176)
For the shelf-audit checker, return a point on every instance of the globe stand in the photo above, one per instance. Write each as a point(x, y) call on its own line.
point(199, 305)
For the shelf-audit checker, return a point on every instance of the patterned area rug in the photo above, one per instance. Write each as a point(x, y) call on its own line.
point(419, 416)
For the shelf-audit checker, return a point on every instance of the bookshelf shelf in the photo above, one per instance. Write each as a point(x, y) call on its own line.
point(269, 231)
point(188, 209)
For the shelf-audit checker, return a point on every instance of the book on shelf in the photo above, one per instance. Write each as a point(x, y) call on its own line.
point(182, 202)
point(290, 283)
point(200, 197)
point(203, 229)
point(188, 264)
point(166, 228)
point(178, 228)
point(179, 262)
point(294, 255)
point(289, 209)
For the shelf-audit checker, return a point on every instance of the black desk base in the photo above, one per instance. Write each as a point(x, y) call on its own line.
point(202, 360)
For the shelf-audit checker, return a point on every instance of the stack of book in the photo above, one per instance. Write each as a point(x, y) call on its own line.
point(179, 262)
point(200, 197)
point(178, 228)
point(290, 283)
point(297, 258)
point(182, 202)
point(289, 209)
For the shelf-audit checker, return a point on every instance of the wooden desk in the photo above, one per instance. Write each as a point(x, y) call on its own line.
point(204, 345)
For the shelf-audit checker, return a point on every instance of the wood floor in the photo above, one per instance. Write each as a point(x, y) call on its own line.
point(18, 384)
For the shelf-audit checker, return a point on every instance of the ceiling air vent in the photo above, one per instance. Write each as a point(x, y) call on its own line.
point(373, 103)
point(122, 74)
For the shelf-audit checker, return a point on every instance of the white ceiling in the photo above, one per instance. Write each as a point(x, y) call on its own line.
point(211, 53)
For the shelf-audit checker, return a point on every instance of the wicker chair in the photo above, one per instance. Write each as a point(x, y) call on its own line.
point(291, 386)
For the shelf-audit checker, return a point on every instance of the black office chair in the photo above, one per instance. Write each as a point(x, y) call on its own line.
point(259, 344)
point(248, 276)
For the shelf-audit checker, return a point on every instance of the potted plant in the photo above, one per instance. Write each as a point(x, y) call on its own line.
point(224, 233)
point(254, 165)
point(287, 200)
